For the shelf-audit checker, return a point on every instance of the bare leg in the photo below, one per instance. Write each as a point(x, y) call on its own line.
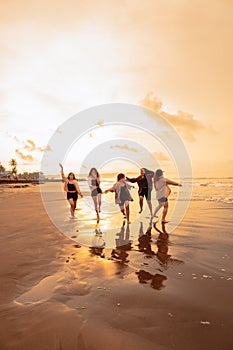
point(75, 203)
point(158, 207)
point(122, 209)
point(127, 211)
point(165, 209)
point(98, 217)
point(150, 206)
point(95, 200)
point(99, 201)
point(141, 204)
point(71, 201)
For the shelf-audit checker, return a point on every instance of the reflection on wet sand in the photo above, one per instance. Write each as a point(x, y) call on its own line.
point(144, 240)
point(144, 246)
point(156, 280)
point(94, 249)
point(162, 244)
point(123, 245)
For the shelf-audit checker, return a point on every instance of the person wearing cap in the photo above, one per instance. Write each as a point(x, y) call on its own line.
point(162, 192)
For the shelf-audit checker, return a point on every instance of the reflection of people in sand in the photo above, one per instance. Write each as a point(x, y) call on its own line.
point(144, 240)
point(122, 195)
point(145, 186)
point(162, 192)
point(72, 189)
point(156, 280)
point(98, 244)
point(96, 192)
point(123, 243)
point(162, 245)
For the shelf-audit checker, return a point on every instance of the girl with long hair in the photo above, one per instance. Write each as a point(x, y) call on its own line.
point(145, 186)
point(122, 195)
point(72, 189)
point(96, 192)
point(162, 192)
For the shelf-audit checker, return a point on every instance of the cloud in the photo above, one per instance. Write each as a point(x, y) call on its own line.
point(184, 122)
point(22, 156)
point(160, 156)
point(41, 149)
point(125, 147)
point(31, 146)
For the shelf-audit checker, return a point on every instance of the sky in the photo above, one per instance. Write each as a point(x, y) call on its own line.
point(58, 58)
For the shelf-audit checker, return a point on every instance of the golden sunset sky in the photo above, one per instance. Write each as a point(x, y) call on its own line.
point(60, 57)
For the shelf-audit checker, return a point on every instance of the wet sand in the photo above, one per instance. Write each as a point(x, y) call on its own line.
point(159, 292)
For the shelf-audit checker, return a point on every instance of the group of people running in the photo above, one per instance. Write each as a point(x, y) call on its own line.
point(122, 187)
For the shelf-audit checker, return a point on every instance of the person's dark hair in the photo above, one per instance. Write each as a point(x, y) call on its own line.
point(97, 174)
point(68, 177)
point(158, 173)
point(120, 176)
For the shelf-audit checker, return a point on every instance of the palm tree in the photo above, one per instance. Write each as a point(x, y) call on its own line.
point(2, 168)
point(13, 164)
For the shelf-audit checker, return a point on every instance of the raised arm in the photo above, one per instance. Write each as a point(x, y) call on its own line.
point(111, 189)
point(170, 182)
point(62, 173)
point(65, 186)
point(132, 179)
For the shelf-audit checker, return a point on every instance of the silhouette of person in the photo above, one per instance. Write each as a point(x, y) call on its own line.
point(145, 186)
point(162, 192)
point(98, 244)
point(123, 244)
point(156, 280)
point(162, 245)
point(122, 195)
point(96, 192)
point(144, 240)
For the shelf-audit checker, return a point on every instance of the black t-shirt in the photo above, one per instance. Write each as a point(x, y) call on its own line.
point(143, 182)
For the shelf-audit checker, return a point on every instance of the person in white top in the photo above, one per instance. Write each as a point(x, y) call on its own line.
point(162, 192)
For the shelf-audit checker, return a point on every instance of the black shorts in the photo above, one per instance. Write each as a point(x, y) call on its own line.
point(73, 195)
point(145, 192)
point(96, 191)
point(162, 200)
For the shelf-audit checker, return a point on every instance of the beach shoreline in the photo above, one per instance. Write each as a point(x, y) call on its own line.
point(174, 292)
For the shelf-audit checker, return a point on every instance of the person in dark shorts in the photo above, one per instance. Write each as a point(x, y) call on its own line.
point(72, 189)
point(96, 192)
point(162, 192)
point(122, 195)
point(145, 186)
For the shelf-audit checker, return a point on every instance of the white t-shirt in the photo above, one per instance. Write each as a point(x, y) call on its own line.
point(160, 187)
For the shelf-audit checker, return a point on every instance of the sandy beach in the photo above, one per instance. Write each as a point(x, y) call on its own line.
point(159, 292)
